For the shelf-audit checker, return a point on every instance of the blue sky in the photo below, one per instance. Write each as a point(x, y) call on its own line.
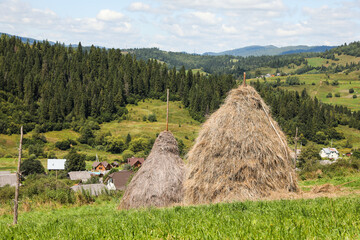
point(184, 25)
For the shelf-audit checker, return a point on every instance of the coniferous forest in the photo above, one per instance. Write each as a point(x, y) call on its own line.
point(51, 86)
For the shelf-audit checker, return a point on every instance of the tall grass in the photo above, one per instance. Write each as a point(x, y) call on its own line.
point(321, 218)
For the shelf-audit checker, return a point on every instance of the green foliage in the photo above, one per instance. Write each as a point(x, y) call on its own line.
point(92, 180)
point(152, 117)
point(337, 94)
point(63, 145)
point(351, 90)
point(7, 194)
point(31, 166)
point(128, 139)
point(309, 155)
point(329, 95)
point(292, 81)
point(354, 96)
point(74, 161)
point(139, 144)
point(37, 149)
point(115, 144)
point(335, 83)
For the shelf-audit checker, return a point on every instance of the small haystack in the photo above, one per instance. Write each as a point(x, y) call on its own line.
point(240, 153)
point(159, 181)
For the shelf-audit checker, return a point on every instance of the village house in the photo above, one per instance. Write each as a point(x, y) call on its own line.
point(135, 162)
point(79, 175)
point(330, 153)
point(101, 166)
point(115, 164)
point(118, 180)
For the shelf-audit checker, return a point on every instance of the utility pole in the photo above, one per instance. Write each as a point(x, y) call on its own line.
point(16, 201)
point(296, 139)
point(244, 82)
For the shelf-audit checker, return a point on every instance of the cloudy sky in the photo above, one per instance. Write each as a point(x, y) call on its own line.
point(184, 25)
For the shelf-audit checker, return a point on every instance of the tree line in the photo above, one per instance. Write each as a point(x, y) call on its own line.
point(50, 86)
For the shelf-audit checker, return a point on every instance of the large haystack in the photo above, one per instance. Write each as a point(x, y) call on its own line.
point(159, 181)
point(240, 153)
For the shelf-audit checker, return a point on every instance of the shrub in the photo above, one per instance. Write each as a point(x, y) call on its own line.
point(115, 145)
point(329, 95)
point(144, 118)
point(335, 83)
point(139, 144)
point(31, 166)
point(351, 90)
point(63, 145)
point(354, 96)
point(127, 154)
point(152, 117)
point(75, 161)
point(337, 94)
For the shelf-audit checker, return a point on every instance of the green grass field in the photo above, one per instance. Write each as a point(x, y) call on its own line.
point(321, 218)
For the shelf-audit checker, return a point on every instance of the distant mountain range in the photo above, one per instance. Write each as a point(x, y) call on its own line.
point(254, 50)
point(270, 50)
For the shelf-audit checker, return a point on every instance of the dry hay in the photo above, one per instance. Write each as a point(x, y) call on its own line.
point(240, 153)
point(159, 181)
point(326, 188)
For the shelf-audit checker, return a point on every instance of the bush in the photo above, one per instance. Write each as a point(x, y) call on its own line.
point(337, 94)
point(152, 118)
point(329, 95)
point(7, 193)
point(127, 154)
point(63, 145)
point(75, 161)
point(144, 118)
point(138, 145)
point(115, 145)
point(354, 96)
point(31, 166)
point(37, 149)
point(335, 83)
point(309, 155)
point(351, 90)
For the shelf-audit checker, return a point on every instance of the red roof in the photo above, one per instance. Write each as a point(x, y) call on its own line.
point(132, 161)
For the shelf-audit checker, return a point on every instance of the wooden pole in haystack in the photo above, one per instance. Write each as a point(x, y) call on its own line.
point(167, 111)
point(244, 82)
point(18, 179)
point(296, 140)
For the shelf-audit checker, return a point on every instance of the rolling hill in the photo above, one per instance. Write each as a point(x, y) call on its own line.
point(270, 50)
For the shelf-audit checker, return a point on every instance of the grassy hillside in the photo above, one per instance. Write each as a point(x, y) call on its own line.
point(180, 124)
point(321, 218)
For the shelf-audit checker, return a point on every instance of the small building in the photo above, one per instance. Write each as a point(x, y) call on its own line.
point(135, 162)
point(56, 164)
point(115, 164)
point(94, 189)
point(330, 153)
point(118, 180)
point(101, 166)
point(8, 179)
point(80, 175)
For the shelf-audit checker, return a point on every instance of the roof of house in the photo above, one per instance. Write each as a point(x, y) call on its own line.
point(105, 164)
point(79, 175)
point(115, 163)
point(132, 161)
point(333, 150)
point(56, 164)
point(95, 164)
point(120, 179)
point(326, 150)
point(95, 189)
point(8, 179)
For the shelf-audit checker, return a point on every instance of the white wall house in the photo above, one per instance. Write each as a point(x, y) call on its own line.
point(330, 153)
point(56, 164)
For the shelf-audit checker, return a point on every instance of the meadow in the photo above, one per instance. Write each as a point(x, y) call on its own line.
point(180, 124)
point(321, 218)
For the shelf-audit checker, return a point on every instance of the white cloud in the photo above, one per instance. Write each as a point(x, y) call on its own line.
point(206, 17)
point(109, 15)
point(228, 29)
point(139, 6)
